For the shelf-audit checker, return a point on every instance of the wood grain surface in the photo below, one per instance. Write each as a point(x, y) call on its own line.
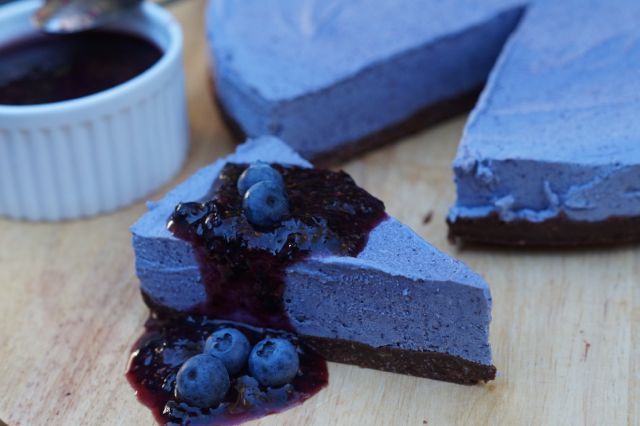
point(565, 334)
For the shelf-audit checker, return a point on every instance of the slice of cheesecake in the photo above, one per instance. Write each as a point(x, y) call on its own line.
point(333, 77)
point(397, 305)
point(551, 154)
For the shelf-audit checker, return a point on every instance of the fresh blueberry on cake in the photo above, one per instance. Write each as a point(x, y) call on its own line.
point(256, 173)
point(265, 204)
point(335, 278)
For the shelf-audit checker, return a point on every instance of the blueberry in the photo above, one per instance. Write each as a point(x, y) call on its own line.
point(274, 362)
point(265, 204)
point(231, 347)
point(258, 172)
point(202, 381)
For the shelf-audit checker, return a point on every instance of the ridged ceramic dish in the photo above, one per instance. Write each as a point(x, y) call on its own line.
point(97, 153)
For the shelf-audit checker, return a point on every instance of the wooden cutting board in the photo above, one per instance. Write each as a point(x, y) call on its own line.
point(565, 334)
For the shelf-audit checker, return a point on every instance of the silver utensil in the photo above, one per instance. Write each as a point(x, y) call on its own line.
point(69, 16)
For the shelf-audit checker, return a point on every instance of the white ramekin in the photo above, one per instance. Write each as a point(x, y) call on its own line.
point(97, 153)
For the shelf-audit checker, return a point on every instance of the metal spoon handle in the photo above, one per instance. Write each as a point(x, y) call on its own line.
point(68, 16)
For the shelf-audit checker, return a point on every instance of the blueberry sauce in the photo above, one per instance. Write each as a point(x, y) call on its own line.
point(243, 270)
point(43, 68)
point(167, 344)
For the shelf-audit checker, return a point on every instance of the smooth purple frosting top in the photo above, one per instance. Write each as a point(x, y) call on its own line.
point(322, 73)
point(288, 48)
point(557, 128)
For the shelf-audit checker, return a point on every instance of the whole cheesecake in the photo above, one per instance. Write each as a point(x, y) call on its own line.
point(332, 78)
point(551, 153)
point(378, 296)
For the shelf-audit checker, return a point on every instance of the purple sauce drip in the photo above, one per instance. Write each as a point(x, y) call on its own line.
point(167, 344)
point(243, 271)
point(44, 68)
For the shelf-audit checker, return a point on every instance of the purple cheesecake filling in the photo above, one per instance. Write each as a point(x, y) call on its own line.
point(364, 289)
point(555, 136)
point(429, 301)
point(243, 270)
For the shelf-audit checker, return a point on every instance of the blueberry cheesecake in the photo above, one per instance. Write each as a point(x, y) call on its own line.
point(333, 78)
point(551, 153)
point(271, 266)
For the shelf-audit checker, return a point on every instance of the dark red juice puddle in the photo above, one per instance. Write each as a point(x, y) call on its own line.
point(243, 271)
point(43, 68)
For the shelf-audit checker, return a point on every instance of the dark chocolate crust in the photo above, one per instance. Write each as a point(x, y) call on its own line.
point(432, 365)
point(425, 117)
point(559, 231)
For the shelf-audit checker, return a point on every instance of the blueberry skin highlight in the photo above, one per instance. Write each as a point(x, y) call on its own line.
point(258, 172)
point(202, 381)
point(231, 347)
point(265, 204)
point(274, 362)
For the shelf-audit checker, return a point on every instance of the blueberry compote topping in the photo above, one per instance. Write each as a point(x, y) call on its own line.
point(43, 68)
point(168, 343)
point(243, 268)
